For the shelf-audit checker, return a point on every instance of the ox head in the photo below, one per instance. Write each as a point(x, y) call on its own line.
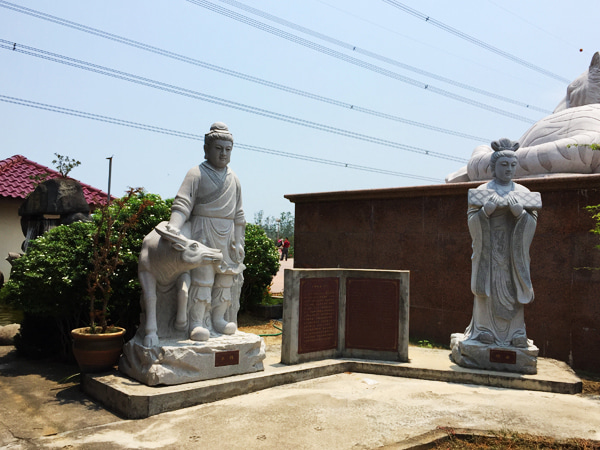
point(193, 252)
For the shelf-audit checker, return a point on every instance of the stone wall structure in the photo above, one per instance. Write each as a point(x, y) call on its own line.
point(424, 230)
point(352, 313)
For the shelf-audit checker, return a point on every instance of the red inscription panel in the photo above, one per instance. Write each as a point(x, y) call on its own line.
point(372, 313)
point(318, 318)
point(230, 358)
point(503, 356)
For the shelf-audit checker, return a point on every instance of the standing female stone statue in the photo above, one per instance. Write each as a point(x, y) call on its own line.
point(502, 218)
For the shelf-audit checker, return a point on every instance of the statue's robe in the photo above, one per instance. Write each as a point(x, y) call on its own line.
point(500, 277)
point(211, 201)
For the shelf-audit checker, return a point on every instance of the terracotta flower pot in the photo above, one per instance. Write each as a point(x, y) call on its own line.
point(97, 352)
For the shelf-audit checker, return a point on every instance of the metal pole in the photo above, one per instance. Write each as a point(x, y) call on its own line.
point(110, 158)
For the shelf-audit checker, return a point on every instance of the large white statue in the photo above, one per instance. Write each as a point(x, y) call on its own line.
point(585, 89)
point(502, 218)
point(190, 269)
point(208, 209)
point(557, 144)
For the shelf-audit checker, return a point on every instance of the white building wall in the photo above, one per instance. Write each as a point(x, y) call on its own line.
point(11, 236)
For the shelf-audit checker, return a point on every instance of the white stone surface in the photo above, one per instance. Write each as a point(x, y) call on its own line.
point(183, 361)
point(8, 332)
point(558, 143)
point(164, 262)
point(502, 219)
point(476, 355)
point(585, 89)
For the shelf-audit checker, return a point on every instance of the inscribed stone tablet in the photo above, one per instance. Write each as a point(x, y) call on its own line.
point(372, 313)
point(318, 315)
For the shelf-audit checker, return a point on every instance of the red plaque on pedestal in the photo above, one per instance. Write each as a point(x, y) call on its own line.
point(230, 358)
point(503, 356)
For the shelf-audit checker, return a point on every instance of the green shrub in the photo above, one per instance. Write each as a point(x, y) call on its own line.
point(262, 263)
point(49, 282)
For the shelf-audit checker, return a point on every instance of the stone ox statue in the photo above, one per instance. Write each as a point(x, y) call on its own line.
point(558, 143)
point(165, 259)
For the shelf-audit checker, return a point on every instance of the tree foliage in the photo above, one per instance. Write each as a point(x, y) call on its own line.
point(112, 226)
point(64, 164)
point(49, 282)
point(277, 227)
point(262, 264)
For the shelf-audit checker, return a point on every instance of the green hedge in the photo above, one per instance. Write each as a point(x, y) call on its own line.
point(262, 263)
point(49, 282)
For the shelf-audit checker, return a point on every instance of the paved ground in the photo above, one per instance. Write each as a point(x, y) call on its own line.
point(277, 285)
point(343, 411)
point(39, 409)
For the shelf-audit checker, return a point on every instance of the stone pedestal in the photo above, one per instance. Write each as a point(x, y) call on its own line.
point(184, 361)
point(476, 355)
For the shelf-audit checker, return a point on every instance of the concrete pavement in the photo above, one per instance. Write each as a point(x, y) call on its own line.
point(345, 410)
point(342, 411)
point(277, 284)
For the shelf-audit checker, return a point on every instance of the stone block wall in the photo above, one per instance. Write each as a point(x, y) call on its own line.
point(424, 230)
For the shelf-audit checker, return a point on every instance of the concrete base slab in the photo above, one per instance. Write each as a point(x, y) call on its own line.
point(135, 400)
point(178, 362)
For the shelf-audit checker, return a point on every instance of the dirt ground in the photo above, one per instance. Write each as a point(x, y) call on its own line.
point(250, 324)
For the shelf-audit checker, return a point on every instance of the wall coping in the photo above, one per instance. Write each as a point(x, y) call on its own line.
point(539, 184)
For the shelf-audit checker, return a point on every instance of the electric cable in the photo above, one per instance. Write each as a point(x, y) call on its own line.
point(474, 40)
point(205, 65)
point(374, 55)
point(31, 51)
point(198, 137)
point(354, 61)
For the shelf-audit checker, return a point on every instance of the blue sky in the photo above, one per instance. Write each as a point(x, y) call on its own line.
point(547, 34)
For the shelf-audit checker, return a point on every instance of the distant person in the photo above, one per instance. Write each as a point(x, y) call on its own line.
point(285, 249)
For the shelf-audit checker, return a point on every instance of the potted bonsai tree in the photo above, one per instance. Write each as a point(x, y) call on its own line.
point(98, 346)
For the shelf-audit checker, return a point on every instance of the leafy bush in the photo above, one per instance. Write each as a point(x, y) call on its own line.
point(49, 282)
point(262, 263)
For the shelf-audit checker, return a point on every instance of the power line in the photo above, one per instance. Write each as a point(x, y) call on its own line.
point(233, 73)
point(13, 47)
point(145, 127)
point(354, 61)
point(373, 55)
point(474, 40)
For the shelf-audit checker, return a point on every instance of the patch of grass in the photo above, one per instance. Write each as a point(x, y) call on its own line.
point(510, 440)
point(426, 343)
point(269, 299)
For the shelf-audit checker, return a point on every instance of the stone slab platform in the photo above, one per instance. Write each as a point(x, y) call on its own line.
point(134, 400)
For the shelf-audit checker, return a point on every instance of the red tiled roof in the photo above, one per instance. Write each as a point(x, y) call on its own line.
point(16, 182)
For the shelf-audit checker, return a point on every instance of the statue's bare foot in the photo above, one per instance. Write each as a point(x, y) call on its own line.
point(181, 326)
point(224, 327)
point(519, 341)
point(486, 338)
point(151, 340)
point(199, 334)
